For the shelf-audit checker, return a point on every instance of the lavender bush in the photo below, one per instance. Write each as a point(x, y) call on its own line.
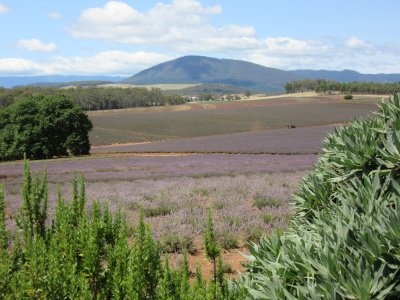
point(175, 192)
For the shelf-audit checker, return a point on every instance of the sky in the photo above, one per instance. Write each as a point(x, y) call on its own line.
point(93, 37)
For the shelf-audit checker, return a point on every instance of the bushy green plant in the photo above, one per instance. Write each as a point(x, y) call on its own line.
point(229, 240)
point(88, 254)
point(348, 97)
point(213, 250)
point(260, 202)
point(344, 242)
point(3, 228)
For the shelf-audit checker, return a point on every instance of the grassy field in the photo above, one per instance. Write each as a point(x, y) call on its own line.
point(197, 120)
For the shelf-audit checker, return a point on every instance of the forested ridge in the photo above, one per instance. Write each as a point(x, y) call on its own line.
point(95, 98)
point(329, 86)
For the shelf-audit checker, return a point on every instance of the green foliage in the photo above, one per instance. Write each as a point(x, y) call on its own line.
point(210, 242)
point(33, 213)
point(3, 228)
point(344, 242)
point(94, 98)
point(268, 218)
point(348, 97)
point(260, 202)
point(173, 242)
point(88, 254)
point(213, 250)
point(145, 262)
point(43, 127)
point(329, 86)
point(229, 240)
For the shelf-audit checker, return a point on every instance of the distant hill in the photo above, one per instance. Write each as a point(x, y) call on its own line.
point(200, 69)
point(346, 76)
point(212, 74)
point(53, 80)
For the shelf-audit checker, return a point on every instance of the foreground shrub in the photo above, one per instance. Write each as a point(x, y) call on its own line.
point(344, 242)
point(85, 254)
point(348, 97)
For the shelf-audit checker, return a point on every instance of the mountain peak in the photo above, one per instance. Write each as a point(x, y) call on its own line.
point(203, 69)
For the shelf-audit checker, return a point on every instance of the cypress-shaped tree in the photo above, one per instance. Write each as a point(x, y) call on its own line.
point(211, 246)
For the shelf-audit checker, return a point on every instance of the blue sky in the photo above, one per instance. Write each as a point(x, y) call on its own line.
point(96, 37)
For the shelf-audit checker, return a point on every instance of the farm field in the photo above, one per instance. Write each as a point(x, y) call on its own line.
point(305, 140)
point(249, 194)
point(239, 158)
point(198, 119)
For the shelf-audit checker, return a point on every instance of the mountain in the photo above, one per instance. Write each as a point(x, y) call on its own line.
point(227, 73)
point(346, 76)
point(50, 80)
point(201, 69)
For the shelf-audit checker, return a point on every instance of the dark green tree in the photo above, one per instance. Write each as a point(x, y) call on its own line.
point(43, 127)
point(211, 246)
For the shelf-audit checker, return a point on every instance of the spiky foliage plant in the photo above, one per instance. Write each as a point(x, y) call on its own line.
point(344, 242)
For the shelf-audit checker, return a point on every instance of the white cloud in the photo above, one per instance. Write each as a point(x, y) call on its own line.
point(289, 46)
point(356, 43)
point(104, 63)
point(36, 45)
point(18, 66)
point(186, 27)
point(3, 9)
point(358, 46)
point(54, 15)
point(288, 53)
point(183, 25)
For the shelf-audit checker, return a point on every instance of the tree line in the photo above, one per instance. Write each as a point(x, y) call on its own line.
point(94, 98)
point(329, 86)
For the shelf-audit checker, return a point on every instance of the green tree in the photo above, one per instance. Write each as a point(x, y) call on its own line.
point(212, 248)
point(43, 127)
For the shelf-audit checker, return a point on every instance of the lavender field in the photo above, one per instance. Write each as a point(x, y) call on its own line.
point(306, 140)
point(199, 158)
point(130, 126)
point(249, 193)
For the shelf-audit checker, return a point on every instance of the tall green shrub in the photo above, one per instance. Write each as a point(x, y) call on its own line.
point(87, 253)
point(213, 250)
point(33, 213)
point(3, 228)
point(145, 262)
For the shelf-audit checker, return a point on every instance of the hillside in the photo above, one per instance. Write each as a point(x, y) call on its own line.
point(200, 69)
